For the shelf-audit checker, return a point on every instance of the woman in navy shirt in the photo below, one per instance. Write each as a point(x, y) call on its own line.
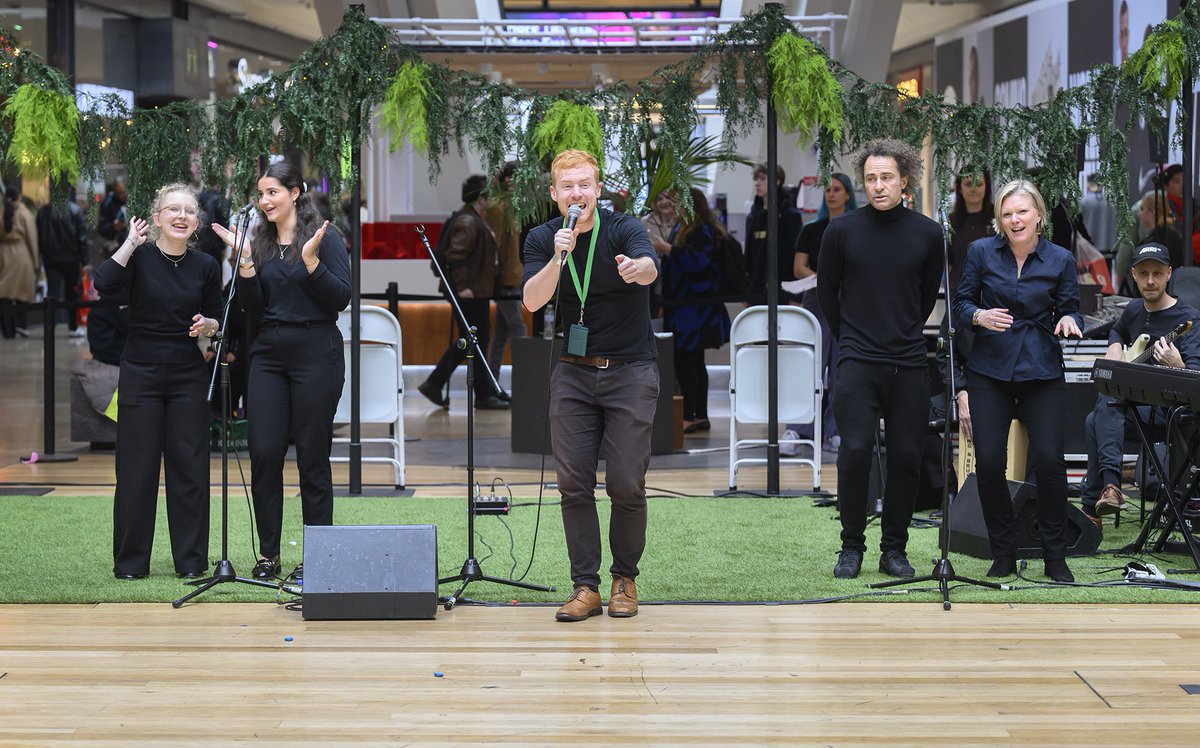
point(1020, 292)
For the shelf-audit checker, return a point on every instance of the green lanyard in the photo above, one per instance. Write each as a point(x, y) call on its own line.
point(582, 291)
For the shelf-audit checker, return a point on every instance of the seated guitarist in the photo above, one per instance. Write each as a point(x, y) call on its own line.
point(1152, 330)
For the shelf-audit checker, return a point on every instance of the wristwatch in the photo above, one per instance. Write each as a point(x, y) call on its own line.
point(975, 316)
point(246, 262)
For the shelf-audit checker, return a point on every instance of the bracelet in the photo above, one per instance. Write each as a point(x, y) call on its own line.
point(975, 317)
point(246, 263)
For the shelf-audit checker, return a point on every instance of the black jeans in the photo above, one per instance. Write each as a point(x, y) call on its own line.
point(610, 412)
point(1041, 406)
point(864, 392)
point(162, 417)
point(296, 377)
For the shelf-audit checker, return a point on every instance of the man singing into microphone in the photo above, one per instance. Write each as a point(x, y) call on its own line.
point(604, 389)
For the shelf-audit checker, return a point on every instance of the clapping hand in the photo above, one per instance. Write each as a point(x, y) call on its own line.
point(309, 253)
point(205, 326)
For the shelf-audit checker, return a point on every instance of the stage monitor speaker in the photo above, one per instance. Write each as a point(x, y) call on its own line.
point(968, 533)
point(370, 571)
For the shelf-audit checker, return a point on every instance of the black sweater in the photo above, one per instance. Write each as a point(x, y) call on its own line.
point(284, 290)
point(877, 281)
point(163, 299)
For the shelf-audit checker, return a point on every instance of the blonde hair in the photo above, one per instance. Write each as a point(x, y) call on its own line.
point(1019, 186)
point(1163, 215)
point(570, 159)
point(159, 202)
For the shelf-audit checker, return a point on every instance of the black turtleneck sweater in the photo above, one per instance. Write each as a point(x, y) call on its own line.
point(877, 281)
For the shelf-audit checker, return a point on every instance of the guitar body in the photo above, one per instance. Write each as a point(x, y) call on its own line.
point(1137, 348)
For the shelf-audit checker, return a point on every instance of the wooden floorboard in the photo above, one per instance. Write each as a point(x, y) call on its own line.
point(850, 675)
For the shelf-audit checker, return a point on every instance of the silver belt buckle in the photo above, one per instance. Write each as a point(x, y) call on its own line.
point(607, 361)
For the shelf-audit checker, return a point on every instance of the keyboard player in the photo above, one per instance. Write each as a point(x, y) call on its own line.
point(1155, 314)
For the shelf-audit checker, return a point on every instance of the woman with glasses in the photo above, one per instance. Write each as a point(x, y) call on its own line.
point(174, 296)
point(293, 279)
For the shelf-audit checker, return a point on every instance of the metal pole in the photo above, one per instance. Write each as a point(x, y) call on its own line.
point(772, 260)
point(355, 312)
point(49, 311)
point(1188, 171)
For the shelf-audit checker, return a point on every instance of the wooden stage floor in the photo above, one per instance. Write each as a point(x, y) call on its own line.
point(848, 675)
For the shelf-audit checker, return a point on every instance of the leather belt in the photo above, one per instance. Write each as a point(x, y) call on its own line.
point(598, 361)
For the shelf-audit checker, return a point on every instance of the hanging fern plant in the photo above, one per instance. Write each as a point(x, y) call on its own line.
point(403, 114)
point(1159, 65)
point(45, 131)
point(569, 125)
point(805, 92)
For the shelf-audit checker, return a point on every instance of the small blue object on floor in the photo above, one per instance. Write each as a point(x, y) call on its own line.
point(287, 638)
point(438, 674)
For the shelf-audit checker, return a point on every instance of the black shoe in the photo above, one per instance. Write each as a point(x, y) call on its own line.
point(266, 568)
point(848, 565)
point(895, 564)
point(1056, 569)
point(506, 397)
point(491, 402)
point(191, 574)
point(129, 577)
point(297, 576)
point(433, 395)
point(1003, 566)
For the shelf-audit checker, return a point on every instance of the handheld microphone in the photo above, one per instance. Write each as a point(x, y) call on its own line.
point(573, 214)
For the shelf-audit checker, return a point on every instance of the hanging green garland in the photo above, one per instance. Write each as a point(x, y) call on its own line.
point(806, 94)
point(45, 132)
point(569, 125)
point(403, 112)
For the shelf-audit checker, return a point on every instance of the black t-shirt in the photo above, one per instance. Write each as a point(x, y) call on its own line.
point(618, 313)
point(284, 290)
point(1136, 320)
point(877, 282)
point(163, 298)
point(809, 242)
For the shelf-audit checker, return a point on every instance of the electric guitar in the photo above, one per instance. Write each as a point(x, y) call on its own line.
point(1140, 351)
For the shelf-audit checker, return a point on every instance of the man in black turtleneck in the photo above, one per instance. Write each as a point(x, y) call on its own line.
point(877, 281)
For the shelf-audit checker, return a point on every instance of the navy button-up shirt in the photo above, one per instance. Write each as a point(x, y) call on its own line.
point(1046, 291)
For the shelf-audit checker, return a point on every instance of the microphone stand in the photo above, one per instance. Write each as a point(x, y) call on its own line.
point(223, 568)
point(943, 570)
point(471, 570)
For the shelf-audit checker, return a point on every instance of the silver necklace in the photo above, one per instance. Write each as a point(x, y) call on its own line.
point(283, 248)
point(171, 258)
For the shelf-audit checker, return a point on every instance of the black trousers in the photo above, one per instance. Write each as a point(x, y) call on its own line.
point(865, 392)
point(62, 282)
point(692, 376)
point(477, 312)
point(296, 376)
point(162, 417)
point(1041, 406)
point(610, 412)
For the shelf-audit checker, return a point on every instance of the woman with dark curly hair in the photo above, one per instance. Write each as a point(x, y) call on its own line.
point(174, 296)
point(293, 279)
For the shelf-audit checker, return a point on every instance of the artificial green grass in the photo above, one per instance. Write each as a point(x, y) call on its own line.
point(57, 549)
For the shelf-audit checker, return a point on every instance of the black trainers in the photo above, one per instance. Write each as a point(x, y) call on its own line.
point(895, 564)
point(848, 565)
point(266, 568)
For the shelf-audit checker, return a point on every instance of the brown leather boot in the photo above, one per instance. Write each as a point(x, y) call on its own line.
point(622, 601)
point(1111, 501)
point(583, 603)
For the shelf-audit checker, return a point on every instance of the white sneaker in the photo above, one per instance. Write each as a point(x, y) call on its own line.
point(78, 332)
point(788, 448)
point(833, 443)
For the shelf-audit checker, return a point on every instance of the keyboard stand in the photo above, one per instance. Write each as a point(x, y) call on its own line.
point(1168, 509)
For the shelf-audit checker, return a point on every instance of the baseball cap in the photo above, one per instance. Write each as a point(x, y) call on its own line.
point(1152, 251)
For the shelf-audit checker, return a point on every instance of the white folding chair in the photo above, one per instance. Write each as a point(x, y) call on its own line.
point(381, 383)
point(800, 383)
